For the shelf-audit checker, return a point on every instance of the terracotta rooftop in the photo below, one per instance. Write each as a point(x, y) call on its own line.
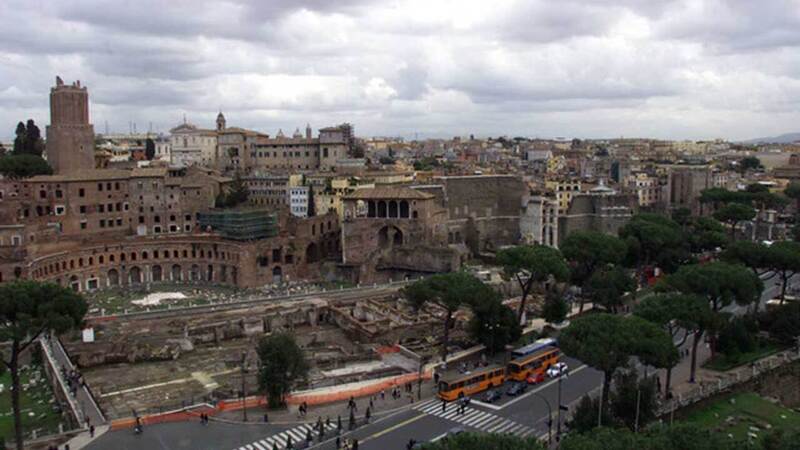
point(84, 175)
point(149, 172)
point(389, 192)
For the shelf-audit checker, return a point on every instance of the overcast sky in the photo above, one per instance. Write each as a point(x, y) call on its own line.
point(691, 69)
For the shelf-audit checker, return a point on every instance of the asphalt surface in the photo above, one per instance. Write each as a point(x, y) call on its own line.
point(523, 415)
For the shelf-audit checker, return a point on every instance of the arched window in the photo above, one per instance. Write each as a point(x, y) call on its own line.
point(404, 209)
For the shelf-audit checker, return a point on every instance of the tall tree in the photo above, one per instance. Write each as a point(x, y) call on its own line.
point(19, 140)
point(753, 255)
point(149, 149)
point(634, 399)
point(793, 192)
point(236, 194)
point(588, 251)
point(678, 436)
point(484, 441)
point(532, 265)
point(283, 364)
point(493, 324)
point(312, 209)
point(23, 166)
point(607, 342)
point(28, 309)
point(733, 214)
point(784, 260)
point(718, 283)
point(33, 139)
point(750, 163)
point(607, 287)
point(704, 234)
point(682, 216)
point(653, 239)
point(448, 291)
point(678, 315)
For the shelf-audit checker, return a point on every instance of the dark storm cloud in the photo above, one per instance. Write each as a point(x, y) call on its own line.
point(683, 68)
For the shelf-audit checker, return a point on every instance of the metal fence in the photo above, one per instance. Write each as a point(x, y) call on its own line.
point(706, 389)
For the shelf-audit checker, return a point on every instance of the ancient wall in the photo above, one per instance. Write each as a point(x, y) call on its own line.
point(603, 213)
point(484, 211)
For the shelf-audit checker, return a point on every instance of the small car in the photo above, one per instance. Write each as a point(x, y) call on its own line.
point(557, 369)
point(455, 430)
point(516, 389)
point(535, 378)
point(491, 396)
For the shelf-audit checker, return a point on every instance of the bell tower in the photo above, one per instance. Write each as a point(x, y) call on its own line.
point(70, 136)
point(220, 122)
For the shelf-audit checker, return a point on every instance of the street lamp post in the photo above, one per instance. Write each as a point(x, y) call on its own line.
point(561, 375)
point(244, 387)
point(549, 420)
point(490, 327)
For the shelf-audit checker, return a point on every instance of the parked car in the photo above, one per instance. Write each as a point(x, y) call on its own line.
point(557, 369)
point(491, 396)
point(535, 378)
point(516, 389)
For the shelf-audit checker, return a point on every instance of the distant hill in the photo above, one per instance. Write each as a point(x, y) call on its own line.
point(787, 138)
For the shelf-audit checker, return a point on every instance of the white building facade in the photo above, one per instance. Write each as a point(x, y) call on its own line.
point(298, 200)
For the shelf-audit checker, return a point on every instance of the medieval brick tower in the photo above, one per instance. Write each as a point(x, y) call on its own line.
point(70, 136)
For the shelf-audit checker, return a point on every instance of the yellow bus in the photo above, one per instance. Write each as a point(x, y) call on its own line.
point(457, 385)
point(534, 365)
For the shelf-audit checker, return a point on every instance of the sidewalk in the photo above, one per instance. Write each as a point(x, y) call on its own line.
point(291, 415)
point(88, 407)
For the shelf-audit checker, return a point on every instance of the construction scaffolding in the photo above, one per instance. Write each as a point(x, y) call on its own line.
point(240, 224)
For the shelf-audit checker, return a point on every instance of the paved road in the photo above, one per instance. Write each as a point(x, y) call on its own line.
point(525, 415)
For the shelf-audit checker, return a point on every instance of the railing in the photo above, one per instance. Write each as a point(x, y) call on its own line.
point(59, 382)
point(705, 389)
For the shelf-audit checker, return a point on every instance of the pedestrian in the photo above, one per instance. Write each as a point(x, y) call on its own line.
point(367, 415)
point(444, 406)
point(266, 418)
point(355, 444)
point(383, 394)
point(370, 403)
point(338, 442)
point(66, 447)
point(91, 430)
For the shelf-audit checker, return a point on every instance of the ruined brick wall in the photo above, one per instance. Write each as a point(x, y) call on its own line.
point(603, 213)
point(484, 211)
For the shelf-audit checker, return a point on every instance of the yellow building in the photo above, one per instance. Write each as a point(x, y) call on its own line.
point(564, 190)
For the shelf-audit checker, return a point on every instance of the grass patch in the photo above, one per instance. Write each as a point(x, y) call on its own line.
point(722, 363)
point(40, 411)
point(735, 414)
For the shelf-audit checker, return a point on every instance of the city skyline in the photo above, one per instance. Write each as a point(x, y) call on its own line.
point(672, 70)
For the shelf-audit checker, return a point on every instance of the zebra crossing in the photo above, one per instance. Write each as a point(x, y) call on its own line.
point(475, 418)
point(298, 436)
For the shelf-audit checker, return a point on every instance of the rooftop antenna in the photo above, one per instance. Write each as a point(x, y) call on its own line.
point(150, 128)
point(106, 126)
